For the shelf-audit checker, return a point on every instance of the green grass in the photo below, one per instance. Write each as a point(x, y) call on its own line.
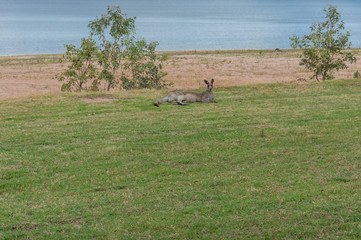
point(278, 161)
point(30, 60)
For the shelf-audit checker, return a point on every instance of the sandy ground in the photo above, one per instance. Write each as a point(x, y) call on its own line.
point(24, 76)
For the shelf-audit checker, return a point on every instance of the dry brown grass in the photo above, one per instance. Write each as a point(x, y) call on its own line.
point(33, 75)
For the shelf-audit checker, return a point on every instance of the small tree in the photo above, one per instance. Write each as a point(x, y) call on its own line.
point(323, 48)
point(118, 27)
point(81, 69)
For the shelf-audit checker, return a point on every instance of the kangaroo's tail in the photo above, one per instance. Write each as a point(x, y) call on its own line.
point(160, 100)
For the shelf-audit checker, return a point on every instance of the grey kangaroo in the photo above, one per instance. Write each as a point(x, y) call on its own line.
point(182, 98)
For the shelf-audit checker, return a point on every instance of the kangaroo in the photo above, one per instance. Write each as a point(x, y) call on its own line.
point(182, 98)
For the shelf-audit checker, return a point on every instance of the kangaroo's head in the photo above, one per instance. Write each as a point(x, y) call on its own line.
point(209, 85)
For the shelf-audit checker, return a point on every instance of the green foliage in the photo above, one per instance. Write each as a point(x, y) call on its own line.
point(144, 66)
point(356, 74)
point(118, 27)
point(122, 61)
point(114, 23)
point(323, 48)
point(81, 70)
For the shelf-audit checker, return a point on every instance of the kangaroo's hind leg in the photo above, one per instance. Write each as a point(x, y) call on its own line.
point(172, 97)
point(181, 100)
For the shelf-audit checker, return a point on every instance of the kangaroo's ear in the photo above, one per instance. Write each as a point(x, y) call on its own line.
point(212, 81)
point(206, 82)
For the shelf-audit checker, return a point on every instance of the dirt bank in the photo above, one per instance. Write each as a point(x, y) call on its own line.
point(23, 76)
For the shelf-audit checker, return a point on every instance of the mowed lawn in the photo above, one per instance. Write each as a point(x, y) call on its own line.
point(280, 161)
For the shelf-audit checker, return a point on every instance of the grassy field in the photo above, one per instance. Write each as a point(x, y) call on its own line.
point(278, 161)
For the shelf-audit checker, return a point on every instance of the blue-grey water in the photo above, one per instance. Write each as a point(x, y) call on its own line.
point(44, 26)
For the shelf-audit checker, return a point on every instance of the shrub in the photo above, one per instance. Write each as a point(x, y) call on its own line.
point(143, 70)
point(81, 70)
point(121, 60)
point(323, 48)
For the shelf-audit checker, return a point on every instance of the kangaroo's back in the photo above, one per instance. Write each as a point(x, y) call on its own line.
point(192, 97)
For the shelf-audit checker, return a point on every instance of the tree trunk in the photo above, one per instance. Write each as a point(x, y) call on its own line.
point(324, 75)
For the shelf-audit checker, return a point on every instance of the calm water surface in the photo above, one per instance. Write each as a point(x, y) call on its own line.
point(44, 26)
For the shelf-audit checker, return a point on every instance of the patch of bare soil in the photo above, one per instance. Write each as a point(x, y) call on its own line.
point(24, 76)
point(241, 69)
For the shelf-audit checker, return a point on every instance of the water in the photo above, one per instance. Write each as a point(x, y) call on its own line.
point(44, 26)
